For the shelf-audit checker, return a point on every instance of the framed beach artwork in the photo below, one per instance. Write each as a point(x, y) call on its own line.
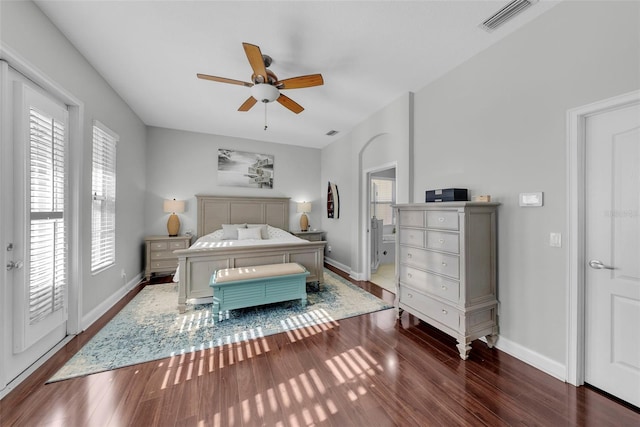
point(244, 169)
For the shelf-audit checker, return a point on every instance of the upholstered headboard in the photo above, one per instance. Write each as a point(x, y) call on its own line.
point(213, 211)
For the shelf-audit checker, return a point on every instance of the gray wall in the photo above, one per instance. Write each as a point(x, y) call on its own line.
point(183, 164)
point(496, 125)
point(26, 31)
point(383, 138)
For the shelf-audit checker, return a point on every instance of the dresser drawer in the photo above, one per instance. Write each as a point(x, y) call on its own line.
point(413, 256)
point(441, 263)
point(442, 241)
point(170, 264)
point(413, 277)
point(430, 283)
point(432, 308)
point(159, 246)
point(162, 255)
point(178, 245)
point(446, 220)
point(412, 237)
point(443, 288)
point(411, 218)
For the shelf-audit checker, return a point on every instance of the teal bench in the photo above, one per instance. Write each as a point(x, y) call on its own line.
point(243, 287)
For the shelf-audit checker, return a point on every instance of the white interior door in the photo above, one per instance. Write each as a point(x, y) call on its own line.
point(36, 230)
point(612, 251)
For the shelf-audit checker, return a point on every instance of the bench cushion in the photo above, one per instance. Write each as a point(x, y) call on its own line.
point(260, 271)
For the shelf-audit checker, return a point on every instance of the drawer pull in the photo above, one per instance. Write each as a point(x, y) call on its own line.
point(410, 295)
point(444, 288)
point(444, 264)
point(444, 311)
point(409, 255)
point(441, 219)
point(409, 275)
point(441, 240)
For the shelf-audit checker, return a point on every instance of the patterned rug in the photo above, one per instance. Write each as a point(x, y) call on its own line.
point(150, 327)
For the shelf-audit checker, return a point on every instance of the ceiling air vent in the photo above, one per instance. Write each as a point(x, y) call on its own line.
point(506, 13)
point(331, 132)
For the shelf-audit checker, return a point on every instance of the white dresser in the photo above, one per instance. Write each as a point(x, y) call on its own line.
point(446, 268)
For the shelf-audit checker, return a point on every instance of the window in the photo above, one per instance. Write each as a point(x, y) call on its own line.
point(382, 197)
point(103, 190)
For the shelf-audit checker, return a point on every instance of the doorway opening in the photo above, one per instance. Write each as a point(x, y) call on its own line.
point(382, 225)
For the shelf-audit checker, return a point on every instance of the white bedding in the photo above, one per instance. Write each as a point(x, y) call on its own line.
point(214, 240)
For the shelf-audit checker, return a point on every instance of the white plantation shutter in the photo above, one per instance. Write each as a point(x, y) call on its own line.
point(103, 190)
point(47, 258)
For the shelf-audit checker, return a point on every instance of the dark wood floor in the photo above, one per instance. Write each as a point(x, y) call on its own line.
point(365, 371)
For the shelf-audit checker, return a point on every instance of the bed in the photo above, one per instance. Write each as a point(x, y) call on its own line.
point(209, 253)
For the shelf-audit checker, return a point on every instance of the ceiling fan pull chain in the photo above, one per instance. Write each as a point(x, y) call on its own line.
point(265, 116)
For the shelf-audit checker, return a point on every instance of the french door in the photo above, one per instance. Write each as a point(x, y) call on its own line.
point(35, 225)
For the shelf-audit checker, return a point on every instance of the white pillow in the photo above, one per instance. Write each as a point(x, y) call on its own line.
point(230, 231)
point(264, 233)
point(249, 233)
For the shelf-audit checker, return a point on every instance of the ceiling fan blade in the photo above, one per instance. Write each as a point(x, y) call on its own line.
point(224, 80)
point(246, 105)
point(300, 82)
point(255, 59)
point(290, 104)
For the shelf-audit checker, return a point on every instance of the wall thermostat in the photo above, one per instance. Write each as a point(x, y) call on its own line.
point(531, 199)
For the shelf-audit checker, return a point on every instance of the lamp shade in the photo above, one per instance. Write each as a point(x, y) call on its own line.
point(173, 206)
point(304, 207)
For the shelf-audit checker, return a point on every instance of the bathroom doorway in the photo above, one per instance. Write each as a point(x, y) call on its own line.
point(382, 196)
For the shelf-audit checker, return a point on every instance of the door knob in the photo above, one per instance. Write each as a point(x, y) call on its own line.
point(14, 265)
point(598, 265)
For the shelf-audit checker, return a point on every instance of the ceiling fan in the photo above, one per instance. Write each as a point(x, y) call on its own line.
point(265, 86)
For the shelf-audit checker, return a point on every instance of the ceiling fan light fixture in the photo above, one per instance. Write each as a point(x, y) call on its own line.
point(264, 92)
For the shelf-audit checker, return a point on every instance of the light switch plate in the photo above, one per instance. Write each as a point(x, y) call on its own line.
point(555, 240)
point(531, 199)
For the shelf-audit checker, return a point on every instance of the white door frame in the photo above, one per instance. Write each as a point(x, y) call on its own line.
point(76, 192)
point(576, 170)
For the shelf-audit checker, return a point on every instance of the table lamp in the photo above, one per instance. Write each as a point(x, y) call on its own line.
point(304, 207)
point(173, 224)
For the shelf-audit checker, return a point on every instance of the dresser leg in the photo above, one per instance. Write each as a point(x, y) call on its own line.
point(464, 349)
point(491, 340)
point(182, 308)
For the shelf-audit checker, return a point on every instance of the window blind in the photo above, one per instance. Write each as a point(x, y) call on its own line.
point(103, 189)
point(382, 198)
point(47, 256)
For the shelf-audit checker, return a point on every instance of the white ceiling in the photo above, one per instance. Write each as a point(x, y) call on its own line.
point(369, 53)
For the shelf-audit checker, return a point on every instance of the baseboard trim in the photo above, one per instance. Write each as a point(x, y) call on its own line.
point(345, 268)
point(95, 314)
point(530, 357)
point(356, 276)
point(336, 264)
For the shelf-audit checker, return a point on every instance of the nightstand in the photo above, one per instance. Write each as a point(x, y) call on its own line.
point(159, 256)
point(312, 236)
